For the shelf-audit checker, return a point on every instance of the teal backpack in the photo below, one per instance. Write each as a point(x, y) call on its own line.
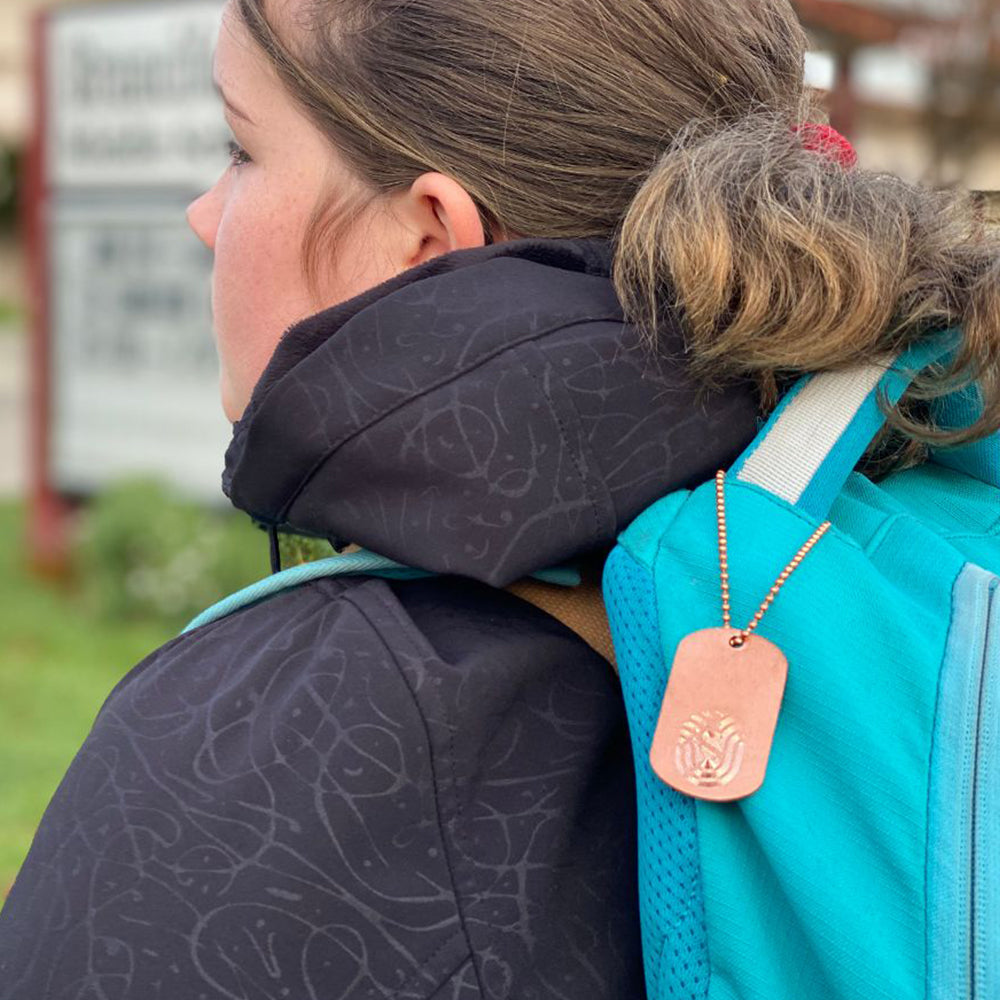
point(868, 863)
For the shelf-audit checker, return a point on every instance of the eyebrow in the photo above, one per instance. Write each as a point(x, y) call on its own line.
point(235, 111)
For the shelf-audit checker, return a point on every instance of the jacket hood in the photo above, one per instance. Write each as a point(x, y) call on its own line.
point(487, 414)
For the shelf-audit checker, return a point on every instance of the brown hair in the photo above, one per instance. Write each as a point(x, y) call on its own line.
point(665, 125)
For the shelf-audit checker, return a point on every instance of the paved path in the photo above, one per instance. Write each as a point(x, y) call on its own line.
point(13, 412)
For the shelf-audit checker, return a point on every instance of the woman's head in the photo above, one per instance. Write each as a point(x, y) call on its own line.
point(550, 113)
point(664, 125)
point(536, 117)
point(286, 182)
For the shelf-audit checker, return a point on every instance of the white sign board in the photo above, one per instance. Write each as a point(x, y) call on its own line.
point(134, 131)
point(130, 95)
point(134, 366)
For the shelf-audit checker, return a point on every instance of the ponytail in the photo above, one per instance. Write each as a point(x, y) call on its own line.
point(782, 262)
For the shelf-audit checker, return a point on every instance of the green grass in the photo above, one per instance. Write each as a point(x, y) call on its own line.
point(57, 664)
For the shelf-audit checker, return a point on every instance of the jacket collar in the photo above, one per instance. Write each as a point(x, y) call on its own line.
point(488, 414)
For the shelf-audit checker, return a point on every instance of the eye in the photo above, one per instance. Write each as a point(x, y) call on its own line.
point(238, 156)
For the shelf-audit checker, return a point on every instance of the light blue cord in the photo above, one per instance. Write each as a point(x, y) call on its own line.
point(561, 576)
point(356, 564)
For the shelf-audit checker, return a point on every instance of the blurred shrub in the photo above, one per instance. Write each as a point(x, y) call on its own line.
point(297, 549)
point(143, 550)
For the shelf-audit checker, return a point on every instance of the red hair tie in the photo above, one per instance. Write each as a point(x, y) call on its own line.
point(826, 140)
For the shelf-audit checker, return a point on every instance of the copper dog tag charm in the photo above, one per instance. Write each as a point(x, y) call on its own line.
point(719, 715)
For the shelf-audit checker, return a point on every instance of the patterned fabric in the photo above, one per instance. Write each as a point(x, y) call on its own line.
point(486, 415)
point(368, 788)
point(283, 805)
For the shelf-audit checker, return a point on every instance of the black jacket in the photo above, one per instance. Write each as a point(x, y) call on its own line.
point(370, 789)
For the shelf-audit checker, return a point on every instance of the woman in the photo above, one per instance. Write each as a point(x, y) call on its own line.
point(437, 217)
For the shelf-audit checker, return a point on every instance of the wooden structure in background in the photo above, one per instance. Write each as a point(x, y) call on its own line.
point(842, 27)
point(961, 49)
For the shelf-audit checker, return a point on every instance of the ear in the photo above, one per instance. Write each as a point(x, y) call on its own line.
point(439, 216)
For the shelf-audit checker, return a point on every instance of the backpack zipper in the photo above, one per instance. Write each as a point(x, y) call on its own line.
point(984, 913)
point(963, 838)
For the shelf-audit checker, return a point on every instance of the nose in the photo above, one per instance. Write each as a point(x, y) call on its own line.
point(203, 217)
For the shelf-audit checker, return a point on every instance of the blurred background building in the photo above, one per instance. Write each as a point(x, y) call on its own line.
point(914, 83)
point(113, 127)
point(15, 112)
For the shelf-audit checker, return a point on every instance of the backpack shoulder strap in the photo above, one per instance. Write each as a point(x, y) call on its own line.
point(355, 562)
point(826, 422)
point(580, 609)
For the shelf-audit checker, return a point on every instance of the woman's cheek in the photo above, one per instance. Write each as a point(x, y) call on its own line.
point(240, 307)
point(259, 288)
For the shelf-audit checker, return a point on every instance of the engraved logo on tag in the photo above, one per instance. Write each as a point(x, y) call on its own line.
point(710, 749)
point(719, 714)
